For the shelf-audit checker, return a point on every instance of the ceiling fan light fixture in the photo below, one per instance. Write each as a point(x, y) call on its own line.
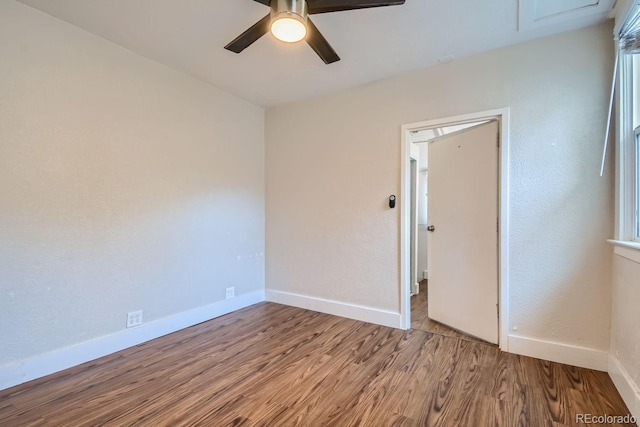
point(288, 29)
point(289, 20)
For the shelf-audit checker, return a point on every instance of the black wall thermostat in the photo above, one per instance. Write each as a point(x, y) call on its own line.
point(392, 201)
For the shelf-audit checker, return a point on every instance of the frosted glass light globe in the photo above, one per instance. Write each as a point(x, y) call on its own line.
point(288, 29)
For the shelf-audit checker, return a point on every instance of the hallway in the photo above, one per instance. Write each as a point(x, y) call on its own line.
point(420, 319)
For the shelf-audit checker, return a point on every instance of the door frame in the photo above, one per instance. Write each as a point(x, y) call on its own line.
point(502, 115)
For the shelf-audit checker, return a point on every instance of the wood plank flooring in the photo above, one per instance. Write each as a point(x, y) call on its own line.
point(273, 365)
point(420, 317)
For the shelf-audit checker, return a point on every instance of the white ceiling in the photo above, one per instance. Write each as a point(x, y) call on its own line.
point(189, 35)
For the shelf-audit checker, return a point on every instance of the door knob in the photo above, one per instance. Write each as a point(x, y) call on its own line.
point(431, 228)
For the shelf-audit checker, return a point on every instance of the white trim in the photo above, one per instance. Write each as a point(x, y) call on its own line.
point(415, 290)
point(562, 353)
point(627, 388)
point(58, 360)
point(336, 308)
point(405, 230)
point(621, 12)
point(502, 115)
point(625, 153)
point(629, 250)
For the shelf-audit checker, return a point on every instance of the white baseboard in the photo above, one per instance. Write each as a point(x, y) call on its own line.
point(425, 274)
point(415, 289)
point(58, 360)
point(561, 353)
point(337, 308)
point(628, 389)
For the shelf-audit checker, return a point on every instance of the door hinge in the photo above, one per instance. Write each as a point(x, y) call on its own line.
point(498, 310)
point(498, 140)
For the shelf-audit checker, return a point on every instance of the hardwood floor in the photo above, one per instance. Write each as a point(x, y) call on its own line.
point(273, 365)
point(420, 319)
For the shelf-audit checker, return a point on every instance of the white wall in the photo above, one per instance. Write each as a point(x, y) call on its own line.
point(422, 183)
point(423, 220)
point(333, 161)
point(423, 236)
point(124, 185)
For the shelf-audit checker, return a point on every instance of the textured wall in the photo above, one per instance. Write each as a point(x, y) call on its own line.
point(333, 161)
point(123, 185)
point(625, 316)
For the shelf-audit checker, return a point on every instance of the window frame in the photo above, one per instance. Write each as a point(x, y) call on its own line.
point(636, 182)
point(628, 167)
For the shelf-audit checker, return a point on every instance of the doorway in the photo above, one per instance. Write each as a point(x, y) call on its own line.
point(413, 245)
point(498, 263)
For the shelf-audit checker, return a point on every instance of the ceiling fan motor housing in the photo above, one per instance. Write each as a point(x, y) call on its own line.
point(295, 9)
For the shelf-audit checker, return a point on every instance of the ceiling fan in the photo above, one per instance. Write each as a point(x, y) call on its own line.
point(288, 21)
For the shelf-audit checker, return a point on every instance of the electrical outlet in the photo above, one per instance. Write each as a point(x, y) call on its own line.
point(231, 292)
point(134, 318)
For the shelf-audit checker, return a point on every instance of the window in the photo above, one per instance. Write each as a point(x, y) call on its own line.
point(637, 185)
point(628, 161)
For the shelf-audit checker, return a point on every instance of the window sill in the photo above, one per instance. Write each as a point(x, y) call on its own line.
point(626, 249)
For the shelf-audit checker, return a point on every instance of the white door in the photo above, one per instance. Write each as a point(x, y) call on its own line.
point(463, 246)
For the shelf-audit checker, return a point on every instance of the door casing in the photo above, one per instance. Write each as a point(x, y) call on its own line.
point(502, 115)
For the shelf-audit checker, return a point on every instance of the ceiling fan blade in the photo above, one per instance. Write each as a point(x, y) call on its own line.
point(264, 2)
point(247, 38)
point(324, 6)
point(318, 43)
